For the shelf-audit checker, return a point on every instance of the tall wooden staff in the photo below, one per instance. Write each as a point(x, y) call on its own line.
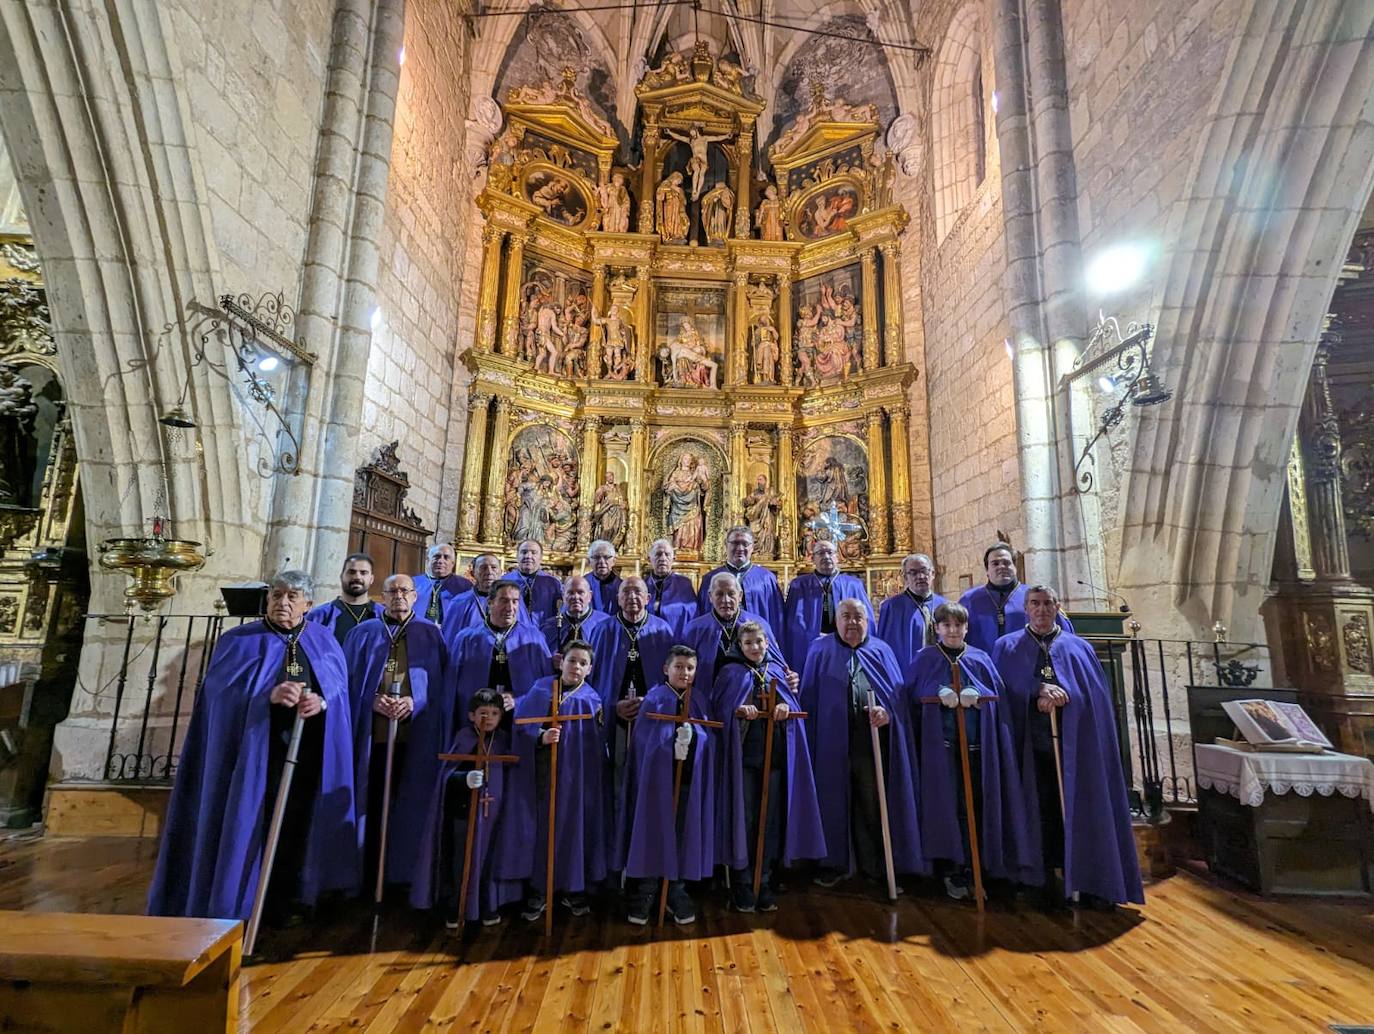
point(684, 718)
point(555, 719)
point(1059, 768)
point(394, 693)
point(269, 848)
point(882, 800)
point(768, 702)
point(486, 760)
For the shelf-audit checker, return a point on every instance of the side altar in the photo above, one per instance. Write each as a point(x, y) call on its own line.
point(678, 347)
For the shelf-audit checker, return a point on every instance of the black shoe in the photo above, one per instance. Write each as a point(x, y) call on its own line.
point(491, 919)
point(741, 893)
point(534, 908)
point(639, 911)
point(828, 878)
point(680, 906)
point(767, 901)
point(1095, 903)
point(577, 904)
point(957, 886)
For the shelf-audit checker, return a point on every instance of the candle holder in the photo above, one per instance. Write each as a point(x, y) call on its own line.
point(152, 563)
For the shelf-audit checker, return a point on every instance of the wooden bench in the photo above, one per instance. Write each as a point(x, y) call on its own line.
point(97, 973)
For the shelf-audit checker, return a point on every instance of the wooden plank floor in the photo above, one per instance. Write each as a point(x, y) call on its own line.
point(1197, 958)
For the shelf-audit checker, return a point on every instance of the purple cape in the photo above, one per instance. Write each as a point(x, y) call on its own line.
point(1099, 847)
point(612, 645)
point(484, 895)
point(825, 699)
point(1008, 844)
point(648, 842)
point(366, 650)
point(761, 593)
point(453, 586)
point(328, 615)
point(582, 840)
point(982, 615)
point(703, 635)
point(901, 626)
point(470, 608)
point(803, 837)
point(553, 629)
point(677, 605)
point(469, 652)
point(545, 593)
point(605, 595)
point(217, 818)
point(801, 614)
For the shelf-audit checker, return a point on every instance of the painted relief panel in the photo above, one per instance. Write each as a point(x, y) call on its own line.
point(832, 488)
point(557, 195)
point(685, 490)
point(689, 336)
point(828, 328)
point(555, 318)
point(541, 489)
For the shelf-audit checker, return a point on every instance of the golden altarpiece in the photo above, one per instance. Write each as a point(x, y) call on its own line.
point(676, 348)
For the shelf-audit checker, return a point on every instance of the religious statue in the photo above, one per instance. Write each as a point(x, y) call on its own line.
point(684, 490)
point(608, 512)
point(698, 163)
point(828, 337)
point(808, 320)
point(575, 335)
point(761, 509)
point(615, 205)
point(617, 331)
point(765, 350)
point(532, 513)
point(548, 332)
point(716, 213)
point(768, 216)
point(689, 364)
point(17, 413)
point(728, 75)
point(673, 223)
point(530, 296)
point(673, 70)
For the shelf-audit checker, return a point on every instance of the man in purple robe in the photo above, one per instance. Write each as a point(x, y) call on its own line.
point(581, 839)
point(470, 608)
point(500, 653)
point(443, 565)
point(604, 581)
point(540, 591)
point(842, 670)
point(261, 676)
point(654, 843)
point(1007, 844)
point(439, 853)
point(999, 607)
point(811, 601)
point(353, 605)
point(671, 596)
point(398, 669)
point(906, 622)
point(792, 827)
point(759, 586)
point(1045, 668)
point(715, 634)
point(575, 619)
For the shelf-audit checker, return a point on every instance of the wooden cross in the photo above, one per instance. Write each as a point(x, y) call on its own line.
point(684, 718)
point(486, 759)
point(768, 702)
point(555, 719)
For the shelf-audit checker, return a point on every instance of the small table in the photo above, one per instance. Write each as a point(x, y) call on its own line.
point(1287, 823)
point(97, 973)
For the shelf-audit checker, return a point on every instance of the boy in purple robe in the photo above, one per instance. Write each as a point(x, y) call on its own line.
point(261, 676)
point(1046, 668)
point(500, 653)
point(443, 565)
point(1008, 848)
point(353, 605)
point(841, 671)
point(671, 596)
point(576, 618)
point(655, 844)
point(999, 607)
point(906, 622)
point(811, 601)
point(540, 592)
point(581, 841)
point(715, 635)
point(760, 593)
point(439, 853)
point(604, 581)
point(398, 669)
point(792, 827)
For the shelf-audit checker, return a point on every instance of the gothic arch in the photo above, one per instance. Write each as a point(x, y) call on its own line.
point(958, 130)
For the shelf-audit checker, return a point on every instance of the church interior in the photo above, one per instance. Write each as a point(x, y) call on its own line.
point(1086, 286)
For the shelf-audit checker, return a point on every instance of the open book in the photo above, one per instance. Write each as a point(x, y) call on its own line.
point(1276, 725)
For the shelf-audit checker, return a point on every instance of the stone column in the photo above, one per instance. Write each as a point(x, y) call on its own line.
point(650, 168)
point(590, 470)
point(892, 350)
point(474, 457)
point(744, 162)
point(635, 490)
point(493, 504)
point(785, 331)
point(870, 308)
point(877, 485)
point(1330, 552)
point(492, 239)
point(736, 486)
point(901, 479)
point(737, 361)
point(594, 363)
point(785, 485)
point(644, 331)
point(510, 309)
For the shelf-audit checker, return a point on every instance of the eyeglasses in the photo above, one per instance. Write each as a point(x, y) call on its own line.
point(398, 592)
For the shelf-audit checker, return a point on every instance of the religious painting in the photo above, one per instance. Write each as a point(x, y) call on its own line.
point(827, 210)
point(555, 319)
point(828, 329)
point(832, 494)
point(556, 194)
point(686, 505)
point(689, 336)
point(541, 489)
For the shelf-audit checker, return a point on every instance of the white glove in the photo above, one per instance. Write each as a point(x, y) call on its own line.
point(682, 742)
point(948, 697)
point(968, 697)
point(475, 779)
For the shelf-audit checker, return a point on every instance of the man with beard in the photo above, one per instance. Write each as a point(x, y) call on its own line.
point(999, 607)
point(353, 605)
point(759, 591)
point(539, 590)
point(443, 564)
point(671, 596)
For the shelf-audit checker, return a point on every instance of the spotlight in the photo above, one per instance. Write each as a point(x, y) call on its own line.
point(1117, 268)
point(268, 363)
point(1148, 391)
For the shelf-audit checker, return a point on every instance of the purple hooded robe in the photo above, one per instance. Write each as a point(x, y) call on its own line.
point(805, 606)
